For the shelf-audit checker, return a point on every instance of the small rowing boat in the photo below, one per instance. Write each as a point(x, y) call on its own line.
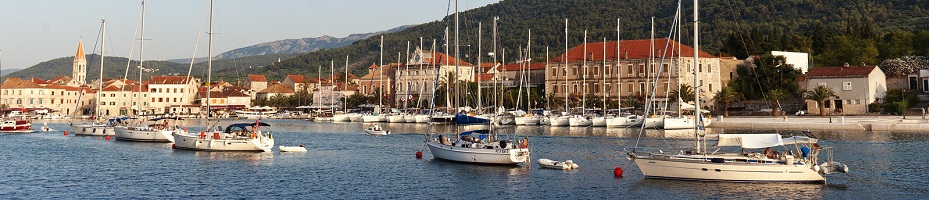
point(283, 148)
point(566, 165)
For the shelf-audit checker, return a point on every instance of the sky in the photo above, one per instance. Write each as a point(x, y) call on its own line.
point(35, 31)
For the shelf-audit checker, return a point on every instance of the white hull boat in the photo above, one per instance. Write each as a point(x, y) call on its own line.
point(146, 134)
point(598, 122)
point(566, 165)
point(376, 130)
point(423, 119)
point(396, 119)
point(92, 130)
point(560, 121)
point(409, 118)
point(356, 118)
point(623, 122)
point(544, 120)
point(496, 155)
point(237, 137)
point(374, 118)
point(340, 118)
point(651, 122)
point(704, 169)
point(527, 120)
point(579, 121)
point(291, 148)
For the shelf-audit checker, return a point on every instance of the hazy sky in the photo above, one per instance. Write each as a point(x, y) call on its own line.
point(33, 31)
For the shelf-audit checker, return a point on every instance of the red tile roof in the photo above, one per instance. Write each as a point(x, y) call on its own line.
point(169, 80)
point(373, 66)
point(296, 78)
point(257, 78)
point(632, 49)
point(277, 88)
point(517, 66)
point(437, 58)
point(15, 83)
point(837, 72)
point(39, 81)
point(484, 77)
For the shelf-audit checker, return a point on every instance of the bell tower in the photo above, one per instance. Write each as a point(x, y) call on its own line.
point(79, 67)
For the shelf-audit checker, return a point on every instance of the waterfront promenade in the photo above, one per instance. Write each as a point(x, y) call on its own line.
point(865, 123)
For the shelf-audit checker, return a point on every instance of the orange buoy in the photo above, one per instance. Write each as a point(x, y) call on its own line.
point(419, 154)
point(66, 133)
point(107, 137)
point(618, 172)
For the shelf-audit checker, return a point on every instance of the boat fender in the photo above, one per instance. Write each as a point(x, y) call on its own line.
point(503, 144)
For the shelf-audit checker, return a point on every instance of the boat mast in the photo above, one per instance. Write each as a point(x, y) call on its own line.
point(344, 86)
point(651, 62)
point(603, 84)
point(584, 81)
point(457, 62)
point(100, 79)
point(319, 80)
point(565, 61)
point(209, 65)
point(380, 78)
point(408, 74)
point(619, 74)
point(680, 21)
point(696, 80)
point(528, 59)
point(496, 97)
point(331, 83)
point(480, 107)
point(141, 52)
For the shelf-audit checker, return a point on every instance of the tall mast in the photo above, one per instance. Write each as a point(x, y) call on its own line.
point(331, 81)
point(648, 67)
point(603, 84)
point(619, 74)
point(319, 78)
point(480, 98)
point(555, 87)
point(100, 79)
point(528, 59)
point(142, 50)
point(565, 61)
point(380, 78)
point(408, 75)
point(696, 78)
point(584, 82)
point(209, 64)
point(680, 22)
point(457, 62)
point(344, 86)
point(496, 99)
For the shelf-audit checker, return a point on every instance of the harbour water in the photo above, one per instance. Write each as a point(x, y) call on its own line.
point(343, 163)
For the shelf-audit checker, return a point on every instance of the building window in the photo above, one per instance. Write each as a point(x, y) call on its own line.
point(631, 69)
point(40, 100)
point(700, 68)
point(667, 68)
point(709, 68)
point(596, 71)
point(846, 86)
point(597, 87)
point(821, 84)
point(112, 103)
point(641, 69)
point(642, 87)
point(113, 95)
point(575, 71)
point(631, 88)
point(222, 100)
point(554, 72)
point(651, 69)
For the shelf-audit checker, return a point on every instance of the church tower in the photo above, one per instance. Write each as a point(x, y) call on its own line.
point(79, 67)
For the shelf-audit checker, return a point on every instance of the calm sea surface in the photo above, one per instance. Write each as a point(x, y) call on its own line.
point(343, 163)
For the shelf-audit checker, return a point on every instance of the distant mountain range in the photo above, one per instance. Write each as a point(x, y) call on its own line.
point(293, 46)
point(8, 71)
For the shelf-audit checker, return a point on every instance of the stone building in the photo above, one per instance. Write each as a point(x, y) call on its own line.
point(854, 86)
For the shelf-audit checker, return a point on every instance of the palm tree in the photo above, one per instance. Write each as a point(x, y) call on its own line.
point(725, 96)
point(774, 98)
point(820, 94)
point(686, 93)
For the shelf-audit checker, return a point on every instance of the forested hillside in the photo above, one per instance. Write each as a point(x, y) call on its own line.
point(728, 27)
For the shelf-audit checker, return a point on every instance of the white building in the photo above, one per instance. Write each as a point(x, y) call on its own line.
point(166, 92)
point(854, 86)
point(800, 60)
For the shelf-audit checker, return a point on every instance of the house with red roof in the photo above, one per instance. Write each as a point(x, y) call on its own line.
point(854, 86)
point(124, 99)
point(275, 89)
point(166, 92)
point(255, 83)
point(60, 99)
point(630, 68)
point(377, 79)
point(297, 82)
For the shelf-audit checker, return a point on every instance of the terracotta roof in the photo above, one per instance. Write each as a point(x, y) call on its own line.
point(169, 80)
point(837, 72)
point(352, 76)
point(80, 51)
point(296, 78)
point(437, 58)
point(632, 49)
point(373, 66)
point(16, 83)
point(257, 78)
point(485, 77)
point(60, 79)
point(341, 86)
point(39, 81)
point(516, 67)
point(277, 88)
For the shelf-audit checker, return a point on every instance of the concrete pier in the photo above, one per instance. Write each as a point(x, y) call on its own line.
point(862, 123)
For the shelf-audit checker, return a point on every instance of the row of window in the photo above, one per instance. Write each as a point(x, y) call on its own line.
point(124, 103)
point(169, 90)
point(630, 70)
point(167, 99)
point(41, 92)
point(846, 86)
point(40, 101)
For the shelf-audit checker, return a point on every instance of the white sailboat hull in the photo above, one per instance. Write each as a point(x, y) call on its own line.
point(623, 122)
point(142, 135)
point(544, 121)
point(92, 130)
point(396, 119)
point(374, 118)
point(478, 156)
point(409, 118)
point(672, 123)
point(422, 119)
point(341, 118)
point(579, 122)
point(651, 122)
point(530, 121)
point(197, 143)
point(560, 121)
point(710, 171)
point(598, 122)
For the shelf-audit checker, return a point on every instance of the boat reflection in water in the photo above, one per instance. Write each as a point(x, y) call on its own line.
point(266, 158)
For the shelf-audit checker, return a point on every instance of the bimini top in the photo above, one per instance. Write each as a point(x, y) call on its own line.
point(757, 141)
point(244, 125)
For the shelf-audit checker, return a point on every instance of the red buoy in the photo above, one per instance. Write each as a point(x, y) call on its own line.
point(618, 172)
point(419, 154)
point(173, 146)
point(66, 133)
point(107, 137)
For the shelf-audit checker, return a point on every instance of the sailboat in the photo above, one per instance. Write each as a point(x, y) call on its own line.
point(98, 127)
point(344, 116)
point(22, 125)
point(620, 121)
point(236, 137)
point(748, 163)
point(581, 119)
point(601, 121)
point(477, 146)
point(527, 118)
point(565, 118)
point(157, 131)
point(377, 116)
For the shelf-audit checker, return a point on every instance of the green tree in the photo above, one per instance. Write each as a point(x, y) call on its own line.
point(725, 96)
point(767, 72)
point(686, 93)
point(849, 49)
point(774, 98)
point(820, 95)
